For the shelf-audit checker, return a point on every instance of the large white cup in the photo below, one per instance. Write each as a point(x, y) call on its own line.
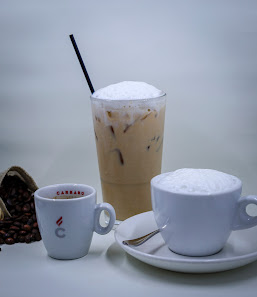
point(67, 216)
point(199, 225)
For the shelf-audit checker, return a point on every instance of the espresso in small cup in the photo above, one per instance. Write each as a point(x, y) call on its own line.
point(197, 209)
point(66, 197)
point(67, 216)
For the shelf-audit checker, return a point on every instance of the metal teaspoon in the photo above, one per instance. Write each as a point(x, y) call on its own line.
point(140, 240)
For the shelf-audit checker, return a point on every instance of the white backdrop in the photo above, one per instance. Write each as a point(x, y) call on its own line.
point(203, 54)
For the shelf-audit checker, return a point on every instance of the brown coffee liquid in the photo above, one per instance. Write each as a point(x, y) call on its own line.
point(129, 144)
point(66, 196)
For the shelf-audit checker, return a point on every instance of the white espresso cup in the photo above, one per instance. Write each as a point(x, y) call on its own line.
point(197, 223)
point(67, 216)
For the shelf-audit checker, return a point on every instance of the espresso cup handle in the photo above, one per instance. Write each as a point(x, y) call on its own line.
point(242, 219)
point(98, 209)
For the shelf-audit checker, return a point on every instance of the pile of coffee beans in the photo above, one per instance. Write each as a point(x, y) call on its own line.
point(19, 200)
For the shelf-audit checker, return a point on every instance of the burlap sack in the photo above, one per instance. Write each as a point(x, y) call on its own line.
point(24, 176)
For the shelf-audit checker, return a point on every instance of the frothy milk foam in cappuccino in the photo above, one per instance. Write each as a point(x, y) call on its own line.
point(128, 121)
point(197, 181)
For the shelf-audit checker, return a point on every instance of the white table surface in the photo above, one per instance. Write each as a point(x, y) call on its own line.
point(201, 53)
point(107, 270)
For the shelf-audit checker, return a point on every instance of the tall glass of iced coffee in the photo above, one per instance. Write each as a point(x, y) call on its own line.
point(128, 121)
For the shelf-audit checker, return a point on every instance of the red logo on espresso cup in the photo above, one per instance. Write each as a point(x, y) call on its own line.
point(59, 221)
point(59, 232)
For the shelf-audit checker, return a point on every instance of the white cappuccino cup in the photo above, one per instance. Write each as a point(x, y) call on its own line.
point(197, 209)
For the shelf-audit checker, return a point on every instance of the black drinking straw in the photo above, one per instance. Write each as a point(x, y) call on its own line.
point(82, 63)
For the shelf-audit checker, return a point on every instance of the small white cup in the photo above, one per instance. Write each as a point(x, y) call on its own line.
point(199, 225)
point(67, 225)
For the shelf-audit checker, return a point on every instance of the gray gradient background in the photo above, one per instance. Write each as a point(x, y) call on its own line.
point(203, 54)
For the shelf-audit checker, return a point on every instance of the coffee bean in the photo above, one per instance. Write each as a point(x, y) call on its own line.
point(38, 237)
point(6, 235)
point(12, 211)
point(17, 224)
point(15, 237)
point(20, 217)
point(11, 201)
point(28, 200)
point(27, 238)
point(11, 232)
point(13, 192)
point(32, 205)
point(30, 221)
point(1, 241)
point(26, 194)
point(22, 232)
point(26, 227)
point(2, 233)
point(9, 240)
point(35, 225)
point(34, 231)
point(24, 219)
point(20, 198)
point(18, 208)
point(14, 228)
point(26, 208)
point(21, 238)
point(6, 222)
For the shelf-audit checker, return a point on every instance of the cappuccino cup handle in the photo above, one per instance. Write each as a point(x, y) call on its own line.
point(242, 220)
point(98, 209)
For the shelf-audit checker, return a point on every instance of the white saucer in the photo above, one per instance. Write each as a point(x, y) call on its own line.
point(241, 248)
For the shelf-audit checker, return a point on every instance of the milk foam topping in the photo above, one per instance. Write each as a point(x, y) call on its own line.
point(128, 90)
point(197, 181)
